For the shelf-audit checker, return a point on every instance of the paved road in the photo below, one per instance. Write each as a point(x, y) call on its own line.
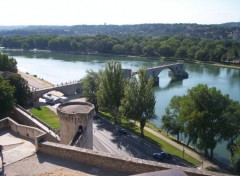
point(106, 138)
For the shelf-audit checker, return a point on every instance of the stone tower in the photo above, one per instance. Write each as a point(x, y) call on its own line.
point(76, 123)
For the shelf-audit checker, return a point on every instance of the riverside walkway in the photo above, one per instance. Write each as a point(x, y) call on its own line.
point(205, 163)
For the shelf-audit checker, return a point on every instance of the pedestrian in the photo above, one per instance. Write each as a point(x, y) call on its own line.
point(1, 155)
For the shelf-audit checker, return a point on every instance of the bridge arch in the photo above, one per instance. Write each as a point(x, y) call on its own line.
point(66, 89)
point(177, 70)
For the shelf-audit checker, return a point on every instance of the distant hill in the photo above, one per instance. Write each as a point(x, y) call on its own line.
point(221, 31)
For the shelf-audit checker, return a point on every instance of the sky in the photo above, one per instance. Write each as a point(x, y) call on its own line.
point(77, 12)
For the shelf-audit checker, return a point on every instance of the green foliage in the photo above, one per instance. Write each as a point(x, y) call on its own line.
point(180, 47)
point(7, 100)
point(47, 116)
point(22, 92)
point(7, 64)
point(139, 100)
point(90, 85)
point(205, 116)
point(111, 87)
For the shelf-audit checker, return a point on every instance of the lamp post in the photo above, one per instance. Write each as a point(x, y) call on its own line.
point(183, 146)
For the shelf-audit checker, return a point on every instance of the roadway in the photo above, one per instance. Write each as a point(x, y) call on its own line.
point(106, 138)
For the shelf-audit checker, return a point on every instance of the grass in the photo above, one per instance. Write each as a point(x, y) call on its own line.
point(47, 116)
point(154, 139)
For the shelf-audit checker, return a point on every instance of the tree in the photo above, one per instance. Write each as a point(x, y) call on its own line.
point(7, 64)
point(231, 130)
point(7, 100)
point(181, 52)
point(139, 101)
point(118, 49)
point(166, 51)
point(111, 87)
point(22, 91)
point(90, 85)
point(202, 113)
point(171, 120)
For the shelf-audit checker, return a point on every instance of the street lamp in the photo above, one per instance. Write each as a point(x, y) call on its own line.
point(183, 146)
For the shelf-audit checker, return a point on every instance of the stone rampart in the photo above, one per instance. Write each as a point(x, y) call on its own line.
point(22, 130)
point(104, 160)
point(25, 118)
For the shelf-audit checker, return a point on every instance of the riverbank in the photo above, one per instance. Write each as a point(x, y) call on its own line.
point(34, 82)
point(218, 64)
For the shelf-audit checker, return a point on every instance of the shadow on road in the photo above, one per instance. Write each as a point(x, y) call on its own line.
point(134, 145)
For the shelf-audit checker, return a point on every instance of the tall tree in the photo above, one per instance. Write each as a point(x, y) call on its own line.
point(202, 113)
point(111, 87)
point(7, 63)
point(231, 130)
point(90, 85)
point(22, 91)
point(171, 120)
point(6, 97)
point(139, 100)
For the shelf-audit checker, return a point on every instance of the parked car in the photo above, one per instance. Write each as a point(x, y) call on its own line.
point(122, 131)
point(161, 156)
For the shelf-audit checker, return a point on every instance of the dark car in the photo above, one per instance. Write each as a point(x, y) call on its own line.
point(122, 131)
point(161, 156)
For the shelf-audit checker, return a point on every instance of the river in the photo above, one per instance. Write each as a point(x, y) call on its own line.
point(59, 68)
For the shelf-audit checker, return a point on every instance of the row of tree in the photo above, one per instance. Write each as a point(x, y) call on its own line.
point(180, 47)
point(108, 90)
point(206, 117)
point(13, 88)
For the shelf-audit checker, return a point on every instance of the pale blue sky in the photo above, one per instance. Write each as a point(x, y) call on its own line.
point(73, 12)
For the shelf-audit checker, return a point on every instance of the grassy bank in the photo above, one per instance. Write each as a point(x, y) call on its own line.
point(47, 116)
point(154, 139)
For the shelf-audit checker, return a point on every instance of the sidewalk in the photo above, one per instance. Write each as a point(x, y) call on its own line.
point(206, 163)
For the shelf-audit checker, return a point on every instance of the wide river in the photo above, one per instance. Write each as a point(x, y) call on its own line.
point(61, 67)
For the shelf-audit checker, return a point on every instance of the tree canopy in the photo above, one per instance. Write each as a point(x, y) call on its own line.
point(90, 85)
point(205, 115)
point(7, 99)
point(7, 63)
point(138, 102)
point(181, 47)
point(111, 87)
point(22, 91)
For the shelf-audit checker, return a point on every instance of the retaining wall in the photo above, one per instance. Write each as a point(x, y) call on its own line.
point(22, 130)
point(109, 161)
point(25, 118)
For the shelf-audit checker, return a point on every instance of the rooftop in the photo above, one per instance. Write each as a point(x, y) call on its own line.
point(75, 108)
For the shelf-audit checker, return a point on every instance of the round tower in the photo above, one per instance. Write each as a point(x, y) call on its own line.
point(76, 123)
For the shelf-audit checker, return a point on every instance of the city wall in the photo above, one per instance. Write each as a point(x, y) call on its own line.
point(22, 130)
point(104, 160)
point(25, 118)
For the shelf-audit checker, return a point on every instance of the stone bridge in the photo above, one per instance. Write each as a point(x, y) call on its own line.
point(67, 89)
point(177, 70)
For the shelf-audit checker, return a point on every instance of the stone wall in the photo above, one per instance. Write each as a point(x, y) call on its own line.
point(71, 121)
point(66, 89)
point(22, 130)
point(104, 160)
point(24, 118)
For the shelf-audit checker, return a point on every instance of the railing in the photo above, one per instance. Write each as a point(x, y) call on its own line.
point(56, 86)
